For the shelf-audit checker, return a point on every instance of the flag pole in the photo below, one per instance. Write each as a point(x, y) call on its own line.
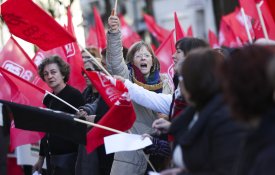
point(47, 92)
point(246, 26)
point(82, 121)
point(114, 11)
point(95, 60)
point(97, 125)
point(258, 7)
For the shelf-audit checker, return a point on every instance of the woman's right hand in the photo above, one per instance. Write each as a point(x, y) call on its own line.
point(113, 22)
point(161, 125)
point(38, 165)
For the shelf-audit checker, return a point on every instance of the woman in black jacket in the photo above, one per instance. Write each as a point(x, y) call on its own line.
point(206, 139)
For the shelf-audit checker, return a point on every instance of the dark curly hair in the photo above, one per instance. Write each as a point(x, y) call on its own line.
point(245, 82)
point(200, 75)
point(62, 65)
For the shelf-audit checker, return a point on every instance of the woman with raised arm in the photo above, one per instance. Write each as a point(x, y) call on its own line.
point(142, 68)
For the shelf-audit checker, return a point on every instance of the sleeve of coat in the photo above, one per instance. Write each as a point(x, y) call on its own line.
point(114, 56)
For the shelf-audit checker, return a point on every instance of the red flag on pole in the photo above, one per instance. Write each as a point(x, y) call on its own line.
point(227, 37)
point(22, 92)
point(160, 33)
point(74, 58)
point(213, 40)
point(250, 10)
point(71, 54)
point(129, 37)
point(190, 31)
point(14, 59)
point(179, 31)
point(121, 115)
point(92, 38)
point(28, 21)
point(269, 21)
point(100, 30)
point(236, 22)
point(164, 54)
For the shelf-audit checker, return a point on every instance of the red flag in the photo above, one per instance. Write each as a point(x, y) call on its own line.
point(164, 54)
point(74, 58)
point(249, 7)
point(271, 4)
point(14, 59)
point(28, 21)
point(268, 19)
point(179, 31)
point(19, 137)
point(213, 40)
point(71, 54)
point(22, 92)
point(110, 89)
point(236, 22)
point(129, 37)
point(160, 33)
point(190, 31)
point(92, 38)
point(121, 115)
point(100, 30)
point(226, 36)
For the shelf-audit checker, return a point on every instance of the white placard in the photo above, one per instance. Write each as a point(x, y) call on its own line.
point(28, 154)
point(125, 142)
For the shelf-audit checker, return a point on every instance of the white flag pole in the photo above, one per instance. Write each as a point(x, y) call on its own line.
point(258, 7)
point(246, 26)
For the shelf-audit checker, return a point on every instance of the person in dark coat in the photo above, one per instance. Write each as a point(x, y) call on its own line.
point(207, 140)
point(250, 95)
point(60, 153)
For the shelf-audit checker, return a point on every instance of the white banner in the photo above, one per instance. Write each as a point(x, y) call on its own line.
point(28, 154)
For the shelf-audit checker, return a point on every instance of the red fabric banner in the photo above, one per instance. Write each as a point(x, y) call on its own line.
point(129, 36)
point(100, 30)
point(190, 31)
point(14, 59)
point(28, 21)
point(164, 54)
point(213, 40)
point(160, 33)
point(121, 115)
point(179, 31)
point(23, 92)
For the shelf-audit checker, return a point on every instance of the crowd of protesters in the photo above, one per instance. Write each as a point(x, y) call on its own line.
point(219, 120)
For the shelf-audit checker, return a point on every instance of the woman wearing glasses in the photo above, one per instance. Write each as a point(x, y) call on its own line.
point(142, 68)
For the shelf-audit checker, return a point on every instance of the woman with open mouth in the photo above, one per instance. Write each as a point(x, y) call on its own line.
point(141, 67)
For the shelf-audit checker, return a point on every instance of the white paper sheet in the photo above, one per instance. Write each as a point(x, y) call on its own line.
point(1, 115)
point(125, 142)
point(153, 173)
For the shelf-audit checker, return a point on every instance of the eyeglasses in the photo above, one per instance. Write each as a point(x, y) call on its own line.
point(145, 55)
